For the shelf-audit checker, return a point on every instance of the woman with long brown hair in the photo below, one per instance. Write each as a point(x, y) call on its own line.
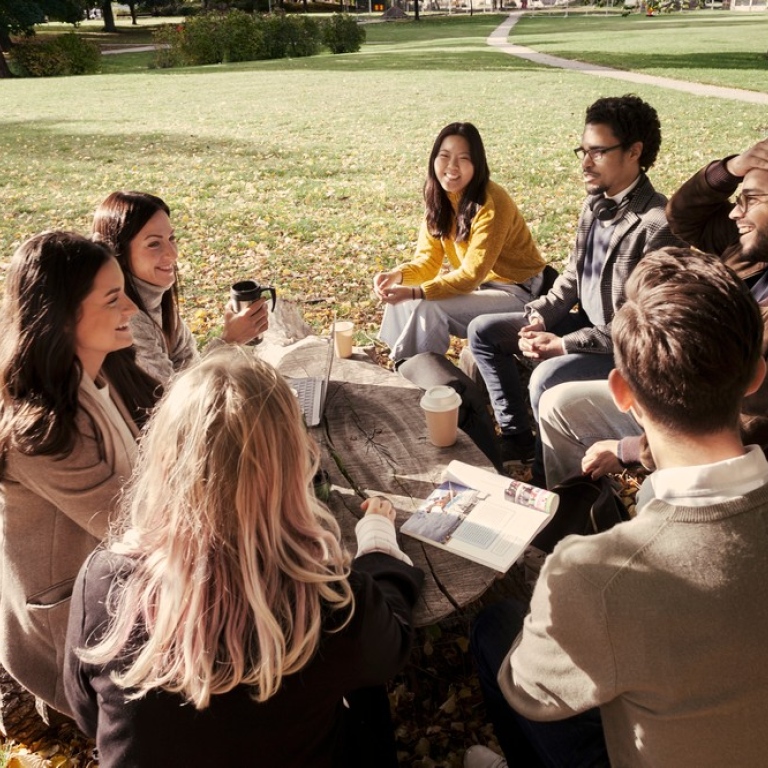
point(472, 224)
point(138, 226)
point(72, 400)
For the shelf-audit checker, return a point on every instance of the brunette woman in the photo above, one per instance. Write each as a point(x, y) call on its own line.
point(138, 226)
point(473, 224)
point(71, 401)
point(225, 624)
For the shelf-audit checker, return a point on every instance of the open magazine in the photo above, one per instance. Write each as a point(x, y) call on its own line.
point(485, 517)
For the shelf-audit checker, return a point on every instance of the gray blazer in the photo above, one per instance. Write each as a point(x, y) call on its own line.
point(53, 512)
point(641, 228)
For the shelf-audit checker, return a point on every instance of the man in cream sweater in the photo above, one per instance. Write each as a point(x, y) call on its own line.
point(645, 644)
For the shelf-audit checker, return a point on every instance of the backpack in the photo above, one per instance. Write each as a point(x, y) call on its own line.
point(586, 506)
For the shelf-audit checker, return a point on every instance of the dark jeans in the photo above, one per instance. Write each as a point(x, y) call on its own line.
point(431, 370)
point(576, 742)
point(369, 732)
point(494, 339)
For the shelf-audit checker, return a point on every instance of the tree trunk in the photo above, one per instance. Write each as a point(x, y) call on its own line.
point(4, 72)
point(132, 7)
point(109, 17)
point(5, 47)
point(19, 718)
point(415, 10)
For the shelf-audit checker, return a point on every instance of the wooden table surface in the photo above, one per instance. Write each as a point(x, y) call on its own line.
point(374, 441)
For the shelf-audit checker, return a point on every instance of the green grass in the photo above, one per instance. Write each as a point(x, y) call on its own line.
point(127, 62)
point(717, 47)
point(308, 173)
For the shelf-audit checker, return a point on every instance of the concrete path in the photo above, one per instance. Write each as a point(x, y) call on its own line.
point(498, 39)
point(128, 49)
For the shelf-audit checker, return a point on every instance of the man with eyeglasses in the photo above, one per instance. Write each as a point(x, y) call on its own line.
point(580, 427)
point(568, 330)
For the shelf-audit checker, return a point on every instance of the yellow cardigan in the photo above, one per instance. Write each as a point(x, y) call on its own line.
point(499, 249)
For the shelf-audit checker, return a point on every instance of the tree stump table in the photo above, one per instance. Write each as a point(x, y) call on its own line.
point(374, 442)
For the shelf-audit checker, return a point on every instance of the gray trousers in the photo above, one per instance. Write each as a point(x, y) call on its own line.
point(412, 327)
point(573, 416)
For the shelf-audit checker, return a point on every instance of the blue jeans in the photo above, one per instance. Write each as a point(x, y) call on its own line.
point(494, 339)
point(576, 742)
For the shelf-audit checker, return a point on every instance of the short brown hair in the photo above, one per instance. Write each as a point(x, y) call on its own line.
point(687, 340)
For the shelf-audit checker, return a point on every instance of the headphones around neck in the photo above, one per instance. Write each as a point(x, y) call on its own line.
point(603, 208)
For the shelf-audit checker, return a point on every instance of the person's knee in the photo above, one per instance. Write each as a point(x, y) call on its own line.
point(477, 334)
point(494, 333)
point(542, 379)
point(555, 404)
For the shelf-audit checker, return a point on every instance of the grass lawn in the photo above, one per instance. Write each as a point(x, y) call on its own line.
point(307, 174)
point(717, 47)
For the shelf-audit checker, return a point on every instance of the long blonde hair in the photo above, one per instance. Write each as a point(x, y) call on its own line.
point(236, 561)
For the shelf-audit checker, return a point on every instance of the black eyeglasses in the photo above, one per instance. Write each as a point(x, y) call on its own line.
point(596, 154)
point(746, 202)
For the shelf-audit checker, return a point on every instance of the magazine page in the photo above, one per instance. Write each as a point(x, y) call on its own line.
point(503, 487)
point(479, 521)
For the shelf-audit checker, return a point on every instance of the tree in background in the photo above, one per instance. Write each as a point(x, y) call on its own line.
point(18, 17)
point(107, 15)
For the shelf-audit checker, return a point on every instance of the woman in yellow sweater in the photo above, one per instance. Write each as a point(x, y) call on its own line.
point(473, 223)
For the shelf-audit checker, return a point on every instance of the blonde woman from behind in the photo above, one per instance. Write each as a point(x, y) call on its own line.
point(225, 624)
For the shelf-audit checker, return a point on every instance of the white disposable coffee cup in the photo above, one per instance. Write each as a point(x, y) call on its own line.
point(343, 336)
point(441, 409)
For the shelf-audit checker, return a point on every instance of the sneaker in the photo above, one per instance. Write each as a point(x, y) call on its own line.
point(482, 757)
point(517, 448)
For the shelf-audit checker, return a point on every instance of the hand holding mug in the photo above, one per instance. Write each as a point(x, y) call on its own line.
point(246, 318)
point(247, 324)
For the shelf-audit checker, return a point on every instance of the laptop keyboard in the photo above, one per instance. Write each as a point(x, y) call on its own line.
point(305, 388)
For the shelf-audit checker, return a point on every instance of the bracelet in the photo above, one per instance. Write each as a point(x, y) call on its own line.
point(413, 294)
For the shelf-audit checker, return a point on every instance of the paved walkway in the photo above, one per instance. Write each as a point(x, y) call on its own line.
point(128, 49)
point(498, 39)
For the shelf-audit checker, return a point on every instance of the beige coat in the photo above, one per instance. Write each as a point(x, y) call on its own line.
point(53, 512)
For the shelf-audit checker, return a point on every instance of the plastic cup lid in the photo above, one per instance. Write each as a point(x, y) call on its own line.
point(441, 398)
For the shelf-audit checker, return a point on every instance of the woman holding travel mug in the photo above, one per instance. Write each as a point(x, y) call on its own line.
point(138, 226)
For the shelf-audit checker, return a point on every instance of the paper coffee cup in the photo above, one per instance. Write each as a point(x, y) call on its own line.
point(441, 409)
point(343, 336)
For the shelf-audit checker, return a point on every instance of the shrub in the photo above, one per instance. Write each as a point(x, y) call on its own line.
point(168, 52)
point(290, 36)
point(84, 56)
point(240, 37)
point(63, 55)
point(201, 40)
point(214, 38)
point(342, 34)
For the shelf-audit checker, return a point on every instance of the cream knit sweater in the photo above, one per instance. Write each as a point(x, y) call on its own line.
point(662, 622)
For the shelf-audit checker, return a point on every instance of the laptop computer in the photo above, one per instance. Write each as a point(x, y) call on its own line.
point(312, 390)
